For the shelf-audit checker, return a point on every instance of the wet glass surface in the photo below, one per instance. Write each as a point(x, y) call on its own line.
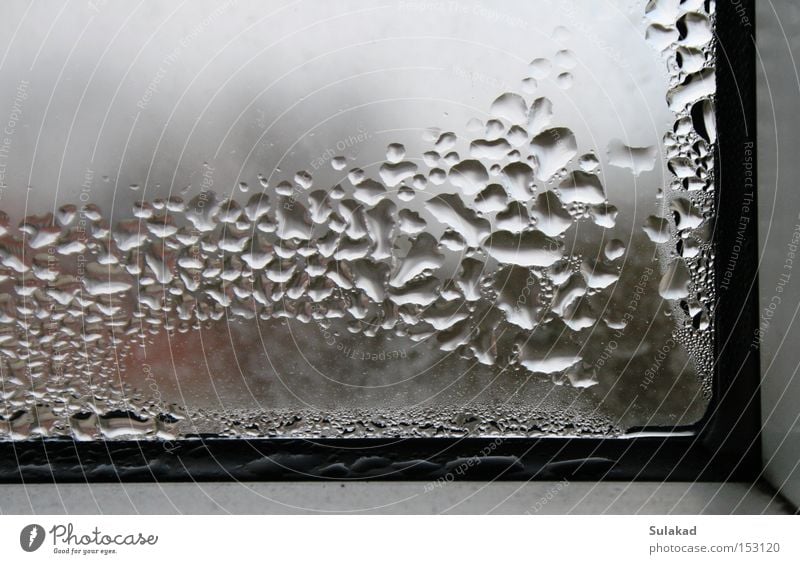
point(317, 219)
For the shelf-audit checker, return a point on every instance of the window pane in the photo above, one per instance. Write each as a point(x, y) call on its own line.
point(348, 220)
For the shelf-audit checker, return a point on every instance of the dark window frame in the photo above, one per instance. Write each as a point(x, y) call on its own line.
point(723, 446)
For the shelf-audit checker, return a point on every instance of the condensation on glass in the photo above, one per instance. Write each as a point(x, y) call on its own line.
point(320, 219)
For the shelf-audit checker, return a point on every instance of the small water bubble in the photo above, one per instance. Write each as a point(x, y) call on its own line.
point(539, 68)
point(437, 176)
point(445, 142)
point(405, 193)
point(565, 80)
point(356, 176)
point(510, 107)
point(529, 85)
point(303, 179)
point(494, 129)
point(452, 158)
point(395, 153)
point(589, 162)
point(561, 34)
point(614, 249)
point(431, 158)
point(675, 282)
point(284, 188)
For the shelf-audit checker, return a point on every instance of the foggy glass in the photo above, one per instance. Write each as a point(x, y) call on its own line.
point(417, 218)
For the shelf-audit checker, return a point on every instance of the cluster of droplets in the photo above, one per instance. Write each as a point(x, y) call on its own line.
point(481, 260)
point(683, 33)
point(446, 421)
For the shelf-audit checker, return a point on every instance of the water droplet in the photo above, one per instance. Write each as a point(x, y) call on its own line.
point(539, 68)
point(529, 85)
point(395, 153)
point(510, 107)
point(674, 283)
point(657, 229)
point(582, 187)
point(614, 249)
point(566, 59)
point(553, 149)
point(565, 80)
